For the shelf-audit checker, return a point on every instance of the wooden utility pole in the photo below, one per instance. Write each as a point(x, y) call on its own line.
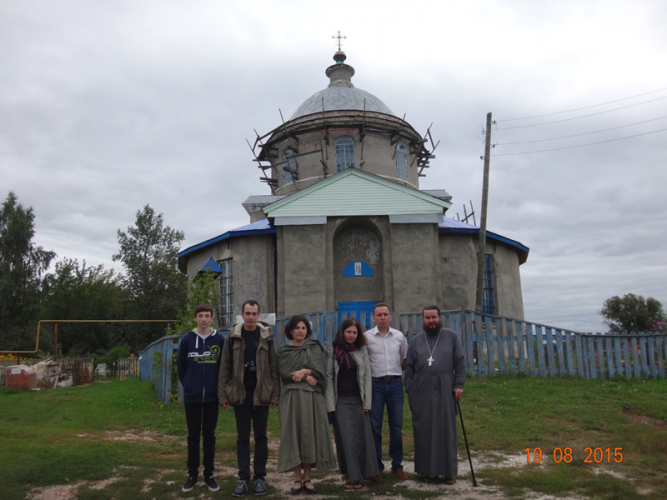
point(479, 302)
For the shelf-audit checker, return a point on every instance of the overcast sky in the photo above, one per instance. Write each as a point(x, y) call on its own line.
point(107, 106)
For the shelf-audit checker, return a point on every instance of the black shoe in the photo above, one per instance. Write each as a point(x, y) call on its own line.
point(241, 488)
point(260, 487)
point(190, 485)
point(311, 490)
point(210, 482)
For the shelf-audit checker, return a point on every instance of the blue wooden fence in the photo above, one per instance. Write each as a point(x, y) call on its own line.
point(498, 345)
point(155, 365)
point(492, 344)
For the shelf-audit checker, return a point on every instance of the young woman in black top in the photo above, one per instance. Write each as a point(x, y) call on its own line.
point(348, 396)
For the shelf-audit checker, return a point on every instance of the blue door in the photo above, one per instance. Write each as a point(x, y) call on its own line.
point(347, 309)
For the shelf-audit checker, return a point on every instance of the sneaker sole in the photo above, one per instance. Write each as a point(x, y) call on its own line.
point(214, 489)
point(261, 494)
point(187, 490)
point(238, 496)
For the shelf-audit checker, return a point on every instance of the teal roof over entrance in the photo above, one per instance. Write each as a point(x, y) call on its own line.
point(356, 192)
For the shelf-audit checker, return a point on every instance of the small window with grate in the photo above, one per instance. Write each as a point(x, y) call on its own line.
point(489, 296)
point(402, 162)
point(344, 153)
point(226, 312)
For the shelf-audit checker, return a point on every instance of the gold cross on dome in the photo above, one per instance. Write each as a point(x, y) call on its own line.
point(339, 39)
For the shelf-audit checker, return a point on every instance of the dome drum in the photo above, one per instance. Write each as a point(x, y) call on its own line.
point(312, 140)
point(303, 150)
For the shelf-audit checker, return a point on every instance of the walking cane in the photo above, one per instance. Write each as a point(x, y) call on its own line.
point(474, 483)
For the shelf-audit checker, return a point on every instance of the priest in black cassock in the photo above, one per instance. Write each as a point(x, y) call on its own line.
point(435, 374)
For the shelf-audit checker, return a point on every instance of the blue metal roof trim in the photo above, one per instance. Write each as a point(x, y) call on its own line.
point(449, 225)
point(260, 227)
point(212, 266)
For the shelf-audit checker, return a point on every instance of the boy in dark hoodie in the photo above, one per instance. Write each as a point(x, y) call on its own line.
point(198, 365)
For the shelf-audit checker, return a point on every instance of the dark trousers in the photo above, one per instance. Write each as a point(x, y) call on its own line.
point(202, 418)
point(389, 394)
point(257, 417)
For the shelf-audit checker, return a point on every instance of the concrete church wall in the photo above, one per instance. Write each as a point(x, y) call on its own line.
point(302, 266)
point(412, 263)
point(253, 268)
point(415, 266)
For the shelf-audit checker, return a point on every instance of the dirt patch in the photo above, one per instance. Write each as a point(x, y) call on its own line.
point(148, 481)
point(68, 491)
point(133, 435)
point(653, 423)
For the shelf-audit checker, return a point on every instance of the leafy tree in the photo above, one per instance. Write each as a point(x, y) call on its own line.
point(21, 267)
point(632, 313)
point(148, 251)
point(203, 290)
point(120, 352)
point(80, 292)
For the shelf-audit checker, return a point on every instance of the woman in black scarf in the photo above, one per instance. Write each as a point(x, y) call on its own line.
point(348, 396)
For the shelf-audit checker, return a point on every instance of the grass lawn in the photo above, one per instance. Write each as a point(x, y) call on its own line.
point(119, 430)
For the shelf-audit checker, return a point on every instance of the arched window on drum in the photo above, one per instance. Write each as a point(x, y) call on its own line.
point(344, 153)
point(289, 162)
point(402, 162)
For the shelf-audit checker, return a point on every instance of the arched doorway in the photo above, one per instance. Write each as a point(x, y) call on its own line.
point(358, 270)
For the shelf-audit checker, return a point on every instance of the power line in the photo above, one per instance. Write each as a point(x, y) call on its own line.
point(585, 116)
point(585, 107)
point(581, 145)
point(577, 135)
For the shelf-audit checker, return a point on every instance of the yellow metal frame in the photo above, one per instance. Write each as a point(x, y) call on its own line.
point(56, 321)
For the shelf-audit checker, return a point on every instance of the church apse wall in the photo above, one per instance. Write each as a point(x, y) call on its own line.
point(508, 282)
point(458, 263)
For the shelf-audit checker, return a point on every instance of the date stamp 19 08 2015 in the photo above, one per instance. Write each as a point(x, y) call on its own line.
point(593, 455)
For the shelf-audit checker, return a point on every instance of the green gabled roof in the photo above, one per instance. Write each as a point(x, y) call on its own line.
point(356, 192)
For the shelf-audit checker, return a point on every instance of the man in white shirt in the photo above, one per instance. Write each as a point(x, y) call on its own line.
point(387, 349)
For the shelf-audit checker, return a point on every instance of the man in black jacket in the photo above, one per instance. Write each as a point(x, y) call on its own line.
point(198, 365)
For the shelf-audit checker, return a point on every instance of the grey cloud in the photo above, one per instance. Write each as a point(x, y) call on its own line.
point(107, 107)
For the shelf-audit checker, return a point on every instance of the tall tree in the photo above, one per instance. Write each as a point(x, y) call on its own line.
point(80, 292)
point(148, 251)
point(21, 267)
point(632, 313)
point(204, 289)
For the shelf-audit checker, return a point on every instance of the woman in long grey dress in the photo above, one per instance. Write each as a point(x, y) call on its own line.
point(348, 395)
point(304, 434)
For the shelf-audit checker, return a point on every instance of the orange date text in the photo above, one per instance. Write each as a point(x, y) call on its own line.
point(592, 455)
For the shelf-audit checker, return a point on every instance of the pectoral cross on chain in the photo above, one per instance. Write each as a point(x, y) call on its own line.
point(430, 360)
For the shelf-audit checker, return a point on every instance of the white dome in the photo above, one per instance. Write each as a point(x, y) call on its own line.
point(341, 98)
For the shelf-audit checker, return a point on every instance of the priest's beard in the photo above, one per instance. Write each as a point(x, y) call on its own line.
point(433, 328)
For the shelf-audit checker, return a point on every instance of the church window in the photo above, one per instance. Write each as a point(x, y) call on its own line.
point(226, 312)
point(291, 163)
point(402, 162)
point(344, 153)
point(488, 286)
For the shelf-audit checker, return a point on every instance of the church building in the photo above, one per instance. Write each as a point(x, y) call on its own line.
point(346, 224)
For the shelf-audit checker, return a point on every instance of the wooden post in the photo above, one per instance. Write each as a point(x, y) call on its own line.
point(55, 343)
point(479, 303)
